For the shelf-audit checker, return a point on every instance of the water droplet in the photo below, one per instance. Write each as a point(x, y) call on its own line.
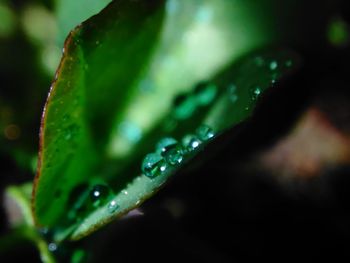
point(164, 144)
point(112, 206)
point(125, 192)
point(153, 164)
point(205, 133)
point(273, 65)
point(191, 142)
point(256, 91)
point(205, 93)
point(99, 193)
point(71, 131)
point(170, 150)
point(52, 247)
point(232, 90)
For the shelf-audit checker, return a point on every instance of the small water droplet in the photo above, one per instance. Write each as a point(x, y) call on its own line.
point(170, 150)
point(71, 131)
point(273, 65)
point(125, 192)
point(99, 193)
point(52, 247)
point(205, 133)
point(274, 78)
point(191, 142)
point(112, 206)
point(256, 91)
point(232, 90)
point(164, 144)
point(174, 156)
point(153, 164)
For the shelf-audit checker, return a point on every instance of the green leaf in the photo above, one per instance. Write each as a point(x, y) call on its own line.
point(223, 102)
point(72, 13)
point(118, 92)
point(91, 87)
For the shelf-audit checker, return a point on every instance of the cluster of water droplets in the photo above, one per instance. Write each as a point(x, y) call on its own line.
point(271, 69)
point(169, 152)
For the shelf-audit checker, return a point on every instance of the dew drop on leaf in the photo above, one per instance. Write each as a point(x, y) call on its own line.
point(191, 142)
point(153, 164)
point(173, 156)
point(205, 133)
point(99, 193)
point(52, 247)
point(112, 206)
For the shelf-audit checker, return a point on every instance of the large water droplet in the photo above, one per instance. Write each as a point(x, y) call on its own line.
point(153, 164)
point(99, 193)
point(112, 206)
point(191, 142)
point(205, 133)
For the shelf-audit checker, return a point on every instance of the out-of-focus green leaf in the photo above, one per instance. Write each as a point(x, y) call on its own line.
point(72, 13)
point(118, 91)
